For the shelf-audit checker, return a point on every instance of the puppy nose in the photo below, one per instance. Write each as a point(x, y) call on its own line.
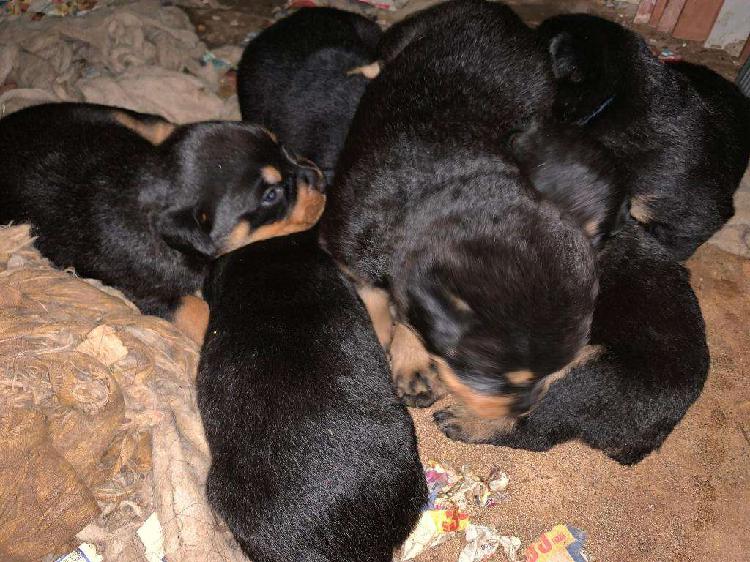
point(311, 176)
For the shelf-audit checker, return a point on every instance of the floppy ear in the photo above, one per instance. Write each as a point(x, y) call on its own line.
point(181, 231)
point(441, 317)
point(566, 58)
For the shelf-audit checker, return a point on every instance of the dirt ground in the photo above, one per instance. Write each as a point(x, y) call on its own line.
point(687, 502)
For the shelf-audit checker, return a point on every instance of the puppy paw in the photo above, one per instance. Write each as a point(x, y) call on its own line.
point(459, 424)
point(415, 375)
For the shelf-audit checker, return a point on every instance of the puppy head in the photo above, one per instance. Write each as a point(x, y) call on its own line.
point(590, 59)
point(233, 184)
point(504, 310)
point(574, 173)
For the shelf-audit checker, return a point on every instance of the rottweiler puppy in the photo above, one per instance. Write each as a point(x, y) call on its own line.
point(646, 363)
point(431, 211)
point(143, 205)
point(300, 79)
point(313, 458)
point(679, 133)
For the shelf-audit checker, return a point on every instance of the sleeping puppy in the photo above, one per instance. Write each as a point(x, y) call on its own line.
point(143, 205)
point(431, 211)
point(647, 358)
point(679, 133)
point(299, 78)
point(300, 416)
point(646, 363)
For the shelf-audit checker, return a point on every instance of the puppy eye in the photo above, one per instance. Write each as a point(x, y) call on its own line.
point(271, 195)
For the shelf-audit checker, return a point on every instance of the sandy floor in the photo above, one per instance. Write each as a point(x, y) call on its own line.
point(689, 501)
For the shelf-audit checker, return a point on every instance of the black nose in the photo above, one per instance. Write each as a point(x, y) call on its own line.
point(312, 176)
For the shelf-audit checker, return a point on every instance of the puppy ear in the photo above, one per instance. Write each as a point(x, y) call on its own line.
point(181, 231)
point(567, 61)
point(439, 315)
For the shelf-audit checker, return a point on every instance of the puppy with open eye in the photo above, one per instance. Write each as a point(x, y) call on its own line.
point(299, 78)
point(144, 205)
point(301, 420)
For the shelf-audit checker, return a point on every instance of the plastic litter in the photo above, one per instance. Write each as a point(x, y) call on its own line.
point(560, 544)
point(84, 553)
point(483, 542)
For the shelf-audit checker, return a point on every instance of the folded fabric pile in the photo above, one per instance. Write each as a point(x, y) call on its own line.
point(98, 422)
point(137, 55)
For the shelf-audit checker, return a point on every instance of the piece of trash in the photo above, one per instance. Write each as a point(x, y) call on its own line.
point(152, 539)
point(483, 542)
point(84, 553)
point(434, 527)
point(561, 544)
point(667, 55)
point(450, 494)
point(448, 488)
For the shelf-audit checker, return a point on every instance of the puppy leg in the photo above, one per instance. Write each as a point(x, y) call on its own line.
point(414, 372)
point(377, 304)
point(191, 317)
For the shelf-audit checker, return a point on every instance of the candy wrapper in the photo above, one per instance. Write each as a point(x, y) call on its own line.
point(483, 542)
point(434, 528)
point(450, 494)
point(561, 544)
point(447, 487)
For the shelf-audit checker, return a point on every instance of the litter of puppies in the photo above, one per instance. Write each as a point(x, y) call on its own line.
point(338, 259)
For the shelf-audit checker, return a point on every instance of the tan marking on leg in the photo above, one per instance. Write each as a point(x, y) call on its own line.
point(519, 377)
point(591, 228)
point(270, 175)
point(412, 366)
point(640, 208)
point(586, 354)
point(459, 422)
point(377, 303)
point(303, 216)
point(155, 132)
point(191, 317)
point(484, 406)
point(369, 71)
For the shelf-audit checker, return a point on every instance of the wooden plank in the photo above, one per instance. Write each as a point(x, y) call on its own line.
point(671, 15)
point(658, 12)
point(732, 27)
point(697, 19)
point(645, 8)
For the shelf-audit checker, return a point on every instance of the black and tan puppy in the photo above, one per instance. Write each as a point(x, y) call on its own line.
point(142, 204)
point(498, 281)
point(646, 364)
point(679, 133)
point(313, 457)
point(299, 79)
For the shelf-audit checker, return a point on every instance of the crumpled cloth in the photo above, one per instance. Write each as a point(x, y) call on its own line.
point(137, 55)
point(99, 427)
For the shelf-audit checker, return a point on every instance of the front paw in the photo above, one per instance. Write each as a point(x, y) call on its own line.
point(415, 374)
point(459, 424)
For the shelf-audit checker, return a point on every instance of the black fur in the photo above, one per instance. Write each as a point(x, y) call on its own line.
point(654, 363)
point(141, 217)
point(429, 203)
point(293, 79)
point(679, 133)
point(313, 457)
point(577, 174)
